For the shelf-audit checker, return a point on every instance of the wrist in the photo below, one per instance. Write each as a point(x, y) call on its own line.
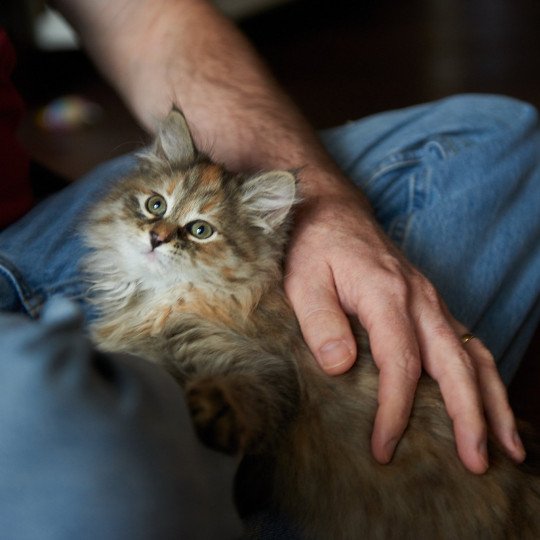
point(328, 186)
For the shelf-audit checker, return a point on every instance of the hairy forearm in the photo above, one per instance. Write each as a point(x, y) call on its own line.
point(163, 52)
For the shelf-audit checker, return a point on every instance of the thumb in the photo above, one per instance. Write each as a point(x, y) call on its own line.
point(324, 325)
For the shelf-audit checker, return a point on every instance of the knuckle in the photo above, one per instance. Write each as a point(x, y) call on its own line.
point(413, 371)
point(430, 292)
point(465, 362)
point(486, 364)
point(320, 321)
point(443, 332)
point(462, 366)
point(426, 290)
point(484, 358)
point(396, 287)
point(408, 365)
point(315, 313)
point(308, 290)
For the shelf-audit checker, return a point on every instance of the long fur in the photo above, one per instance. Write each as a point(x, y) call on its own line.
point(213, 312)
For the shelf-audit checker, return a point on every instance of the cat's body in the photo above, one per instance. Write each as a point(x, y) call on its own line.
point(186, 271)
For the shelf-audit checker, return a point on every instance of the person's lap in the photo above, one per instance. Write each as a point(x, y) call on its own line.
point(99, 447)
point(454, 183)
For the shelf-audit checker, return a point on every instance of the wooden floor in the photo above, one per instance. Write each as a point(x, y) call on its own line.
point(340, 60)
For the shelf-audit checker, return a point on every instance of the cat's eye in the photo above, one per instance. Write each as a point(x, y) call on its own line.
point(156, 205)
point(201, 230)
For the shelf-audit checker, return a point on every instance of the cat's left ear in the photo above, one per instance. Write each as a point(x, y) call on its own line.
point(173, 142)
point(270, 196)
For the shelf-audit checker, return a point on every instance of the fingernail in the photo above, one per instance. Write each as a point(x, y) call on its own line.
point(333, 354)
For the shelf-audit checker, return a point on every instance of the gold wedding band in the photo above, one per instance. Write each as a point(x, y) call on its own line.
point(465, 338)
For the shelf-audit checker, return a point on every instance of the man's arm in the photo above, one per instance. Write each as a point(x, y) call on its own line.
point(183, 52)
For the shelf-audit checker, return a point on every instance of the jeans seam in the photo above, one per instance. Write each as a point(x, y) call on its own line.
point(31, 300)
point(400, 226)
point(395, 162)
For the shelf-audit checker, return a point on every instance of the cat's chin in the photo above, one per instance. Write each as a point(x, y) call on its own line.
point(152, 257)
point(156, 262)
point(159, 264)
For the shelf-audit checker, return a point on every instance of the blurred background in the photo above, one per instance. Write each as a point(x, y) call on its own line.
point(340, 60)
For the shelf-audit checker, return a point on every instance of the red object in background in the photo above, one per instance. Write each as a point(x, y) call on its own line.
point(15, 191)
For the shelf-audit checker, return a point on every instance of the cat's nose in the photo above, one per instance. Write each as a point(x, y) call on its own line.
point(155, 239)
point(161, 233)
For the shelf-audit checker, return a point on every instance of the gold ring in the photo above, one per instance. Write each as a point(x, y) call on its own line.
point(465, 338)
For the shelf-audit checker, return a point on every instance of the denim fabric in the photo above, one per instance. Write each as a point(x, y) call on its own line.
point(455, 183)
point(92, 446)
point(40, 253)
point(99, 447)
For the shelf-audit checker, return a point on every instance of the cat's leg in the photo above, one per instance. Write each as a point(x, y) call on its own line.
point(456, 183)
point(237, 412)
point(240, 396)
point(95, 446)
point(231, 412)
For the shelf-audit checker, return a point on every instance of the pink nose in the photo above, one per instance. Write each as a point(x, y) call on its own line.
point(155, 240)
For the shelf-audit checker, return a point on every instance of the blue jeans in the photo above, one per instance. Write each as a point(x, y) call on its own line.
point(455, 183)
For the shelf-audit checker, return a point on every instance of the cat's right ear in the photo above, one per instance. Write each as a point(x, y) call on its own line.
point(173, 142)
point(269, 196)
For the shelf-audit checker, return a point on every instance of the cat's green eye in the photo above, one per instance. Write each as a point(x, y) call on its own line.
point(156, 205)
point(201, 230)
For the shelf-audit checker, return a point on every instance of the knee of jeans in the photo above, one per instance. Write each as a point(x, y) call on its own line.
point(479, 114)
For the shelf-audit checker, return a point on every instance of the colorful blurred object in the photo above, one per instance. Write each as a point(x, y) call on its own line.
point(68, 113)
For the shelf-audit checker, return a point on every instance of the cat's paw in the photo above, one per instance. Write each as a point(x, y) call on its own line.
point(216, 419)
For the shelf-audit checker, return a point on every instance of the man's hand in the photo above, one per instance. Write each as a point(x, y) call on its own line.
point(340, 263)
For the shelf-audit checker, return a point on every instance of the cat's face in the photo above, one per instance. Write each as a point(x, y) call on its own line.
point(185, 220)
point(187, 227)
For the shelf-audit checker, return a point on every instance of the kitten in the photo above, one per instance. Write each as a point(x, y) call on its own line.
point(186, 270)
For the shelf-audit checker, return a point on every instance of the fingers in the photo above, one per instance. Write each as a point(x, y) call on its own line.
point(409, 328)
point(495, 400)
point(449, 364)
point(399, 374)
point(423, 336)
point(472, 391)
point(401, 343)
point(324, 326)
point(467, 376)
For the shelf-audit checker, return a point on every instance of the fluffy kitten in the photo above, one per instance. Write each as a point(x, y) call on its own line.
point(185, 270)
